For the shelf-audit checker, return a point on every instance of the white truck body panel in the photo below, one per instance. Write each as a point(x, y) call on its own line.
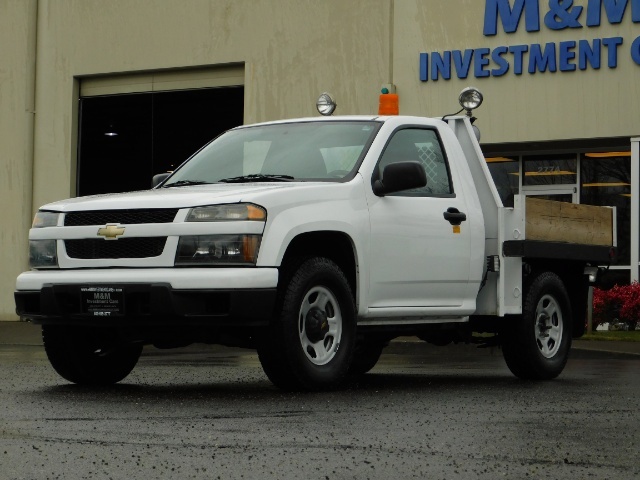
point(412, 265)
point(501, 295)
point(178, 278)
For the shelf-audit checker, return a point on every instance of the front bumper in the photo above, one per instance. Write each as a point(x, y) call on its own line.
point(151, 297)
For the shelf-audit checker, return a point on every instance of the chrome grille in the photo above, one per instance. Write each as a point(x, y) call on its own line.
point(123, 217)
point(89, 248)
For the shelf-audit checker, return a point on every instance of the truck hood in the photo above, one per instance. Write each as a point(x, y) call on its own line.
point(181, 197)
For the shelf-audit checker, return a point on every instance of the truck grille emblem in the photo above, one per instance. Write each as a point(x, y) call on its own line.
point(111, 231)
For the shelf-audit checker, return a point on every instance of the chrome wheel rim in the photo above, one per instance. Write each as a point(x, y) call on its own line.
point(320, 342)
point(549, 326)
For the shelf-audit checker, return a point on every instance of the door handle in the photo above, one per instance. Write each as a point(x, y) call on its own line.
point(454, 216)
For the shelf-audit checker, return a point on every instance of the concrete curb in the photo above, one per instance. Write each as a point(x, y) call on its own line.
point(20, 333)
point(628, 348)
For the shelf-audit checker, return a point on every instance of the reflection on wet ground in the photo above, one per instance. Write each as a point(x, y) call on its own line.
point(423, 412)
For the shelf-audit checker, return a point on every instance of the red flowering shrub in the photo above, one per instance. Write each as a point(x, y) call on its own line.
point(621, 303)
point(601, 307)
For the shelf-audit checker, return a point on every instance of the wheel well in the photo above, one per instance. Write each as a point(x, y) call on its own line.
point(336, 246)
point(576, 283)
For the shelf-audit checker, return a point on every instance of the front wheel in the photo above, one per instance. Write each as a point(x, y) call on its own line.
point(366, 355)
point(89, 356)
point(310, 343)
point(536, 344)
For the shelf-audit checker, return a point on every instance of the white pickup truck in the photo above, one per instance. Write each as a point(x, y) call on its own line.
point(315, 241)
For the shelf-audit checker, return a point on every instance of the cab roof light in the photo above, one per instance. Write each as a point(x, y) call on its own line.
point(470, 98)
point(325, 104)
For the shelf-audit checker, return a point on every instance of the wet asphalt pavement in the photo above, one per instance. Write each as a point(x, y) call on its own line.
point(423, 412)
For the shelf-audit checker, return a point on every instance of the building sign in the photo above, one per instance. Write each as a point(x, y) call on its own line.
point(564, 56)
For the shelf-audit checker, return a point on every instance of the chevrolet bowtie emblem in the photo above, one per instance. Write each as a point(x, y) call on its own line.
point(111, 231)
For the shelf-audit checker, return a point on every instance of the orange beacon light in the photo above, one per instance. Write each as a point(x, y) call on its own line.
point(389, 103)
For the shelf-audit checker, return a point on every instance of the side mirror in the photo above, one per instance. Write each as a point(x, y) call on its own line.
point(158, 179)
point(400, 176)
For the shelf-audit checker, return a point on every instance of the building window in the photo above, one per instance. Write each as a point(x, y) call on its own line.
point(606, 181)
point(506, 176)
point(550, 169)
point(126, 139)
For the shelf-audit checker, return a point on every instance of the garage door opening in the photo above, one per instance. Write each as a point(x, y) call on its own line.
point(126, 139)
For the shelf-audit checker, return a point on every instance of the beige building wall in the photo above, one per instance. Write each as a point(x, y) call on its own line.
point(291, 51)
point(17, 108)
point(539, 107)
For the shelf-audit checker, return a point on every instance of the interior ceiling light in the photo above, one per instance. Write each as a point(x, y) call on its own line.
point(499, 159)
point(606, 184)
point(607, 154)
point(111, 132)
point(552, 173)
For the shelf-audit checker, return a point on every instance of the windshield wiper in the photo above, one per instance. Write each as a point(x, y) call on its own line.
point(184, 183)
point(257, 177)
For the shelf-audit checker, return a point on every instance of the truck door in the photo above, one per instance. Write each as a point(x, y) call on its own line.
point(418, 258)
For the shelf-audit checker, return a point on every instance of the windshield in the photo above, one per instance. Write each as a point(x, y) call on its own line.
point(323, 150)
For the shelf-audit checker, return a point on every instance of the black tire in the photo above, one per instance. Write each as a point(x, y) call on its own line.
point(89, 356)
point(310, 343)
point(366, 355)
point(536, 344)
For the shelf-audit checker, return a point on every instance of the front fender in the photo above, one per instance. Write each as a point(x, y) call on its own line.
point(332, 207)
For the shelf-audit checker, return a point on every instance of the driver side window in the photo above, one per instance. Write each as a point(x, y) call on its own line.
point(423, 146)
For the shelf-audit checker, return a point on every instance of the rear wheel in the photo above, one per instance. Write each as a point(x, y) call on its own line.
point(536, 344)
point(310, 343)
point(89, 356)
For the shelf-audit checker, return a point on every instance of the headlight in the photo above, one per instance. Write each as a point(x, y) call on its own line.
point(196, 250)
point(45, 219)
point(224, 213)
point(42, 254)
